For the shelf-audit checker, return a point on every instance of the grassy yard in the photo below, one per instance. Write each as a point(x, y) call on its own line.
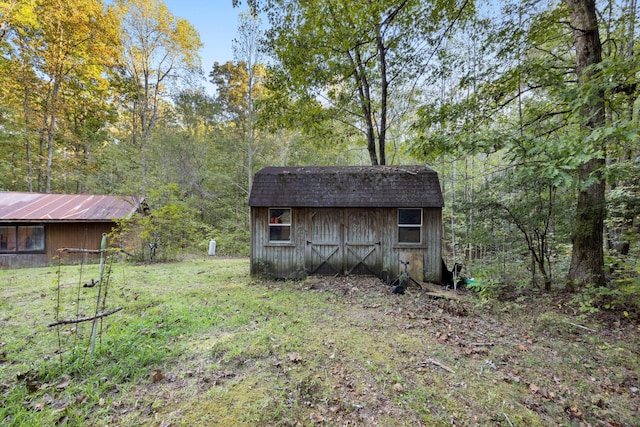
point(202, 343)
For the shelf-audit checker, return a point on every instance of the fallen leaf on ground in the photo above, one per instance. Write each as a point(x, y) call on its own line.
point(64, 383)
point(315, 418)
point(295, 357)
point(156, 376)
point(573, 410)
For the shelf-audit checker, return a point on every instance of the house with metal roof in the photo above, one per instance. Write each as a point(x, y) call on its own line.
point(34, 226)
point(360, 220)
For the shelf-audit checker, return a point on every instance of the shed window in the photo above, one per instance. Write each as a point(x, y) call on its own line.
point(21, 238)
point(279, 224)
point(409, 225)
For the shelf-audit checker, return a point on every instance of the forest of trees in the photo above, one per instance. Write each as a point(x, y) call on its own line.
point(528, 110)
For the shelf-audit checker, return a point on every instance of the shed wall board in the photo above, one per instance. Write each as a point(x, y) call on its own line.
point(324, 234)
point(320, 243)
point(282, 259)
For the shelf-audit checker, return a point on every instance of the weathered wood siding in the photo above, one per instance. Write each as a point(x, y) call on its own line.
point(424, 258)
point(324, 234)
point(360, 241)
point(66, 235)
point(280, 260)
point(363, 241)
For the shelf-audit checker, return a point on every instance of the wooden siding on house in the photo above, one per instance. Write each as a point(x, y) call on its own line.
point(70, 221)
point(58, 236)
point(69, 235)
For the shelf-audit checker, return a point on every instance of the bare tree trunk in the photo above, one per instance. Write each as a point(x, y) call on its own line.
point(618, 234)
point(364, 92)
point(631, 9)
point(50, 132)
point(251, 137)
point(27, 141)
point(50, 121)
point(40, 157)
point(246, 51)
point(587, 258)
point(384, 95)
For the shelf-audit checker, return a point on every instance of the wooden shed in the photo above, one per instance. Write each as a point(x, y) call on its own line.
point(360, 220)
point(33, 226)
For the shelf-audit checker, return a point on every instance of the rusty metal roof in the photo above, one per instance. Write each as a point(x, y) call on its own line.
point(31, 207)
point(346, 186)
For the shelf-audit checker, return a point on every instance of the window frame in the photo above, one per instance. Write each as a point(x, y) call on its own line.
point(419, 226)
point(280, 226)
point(22, 240)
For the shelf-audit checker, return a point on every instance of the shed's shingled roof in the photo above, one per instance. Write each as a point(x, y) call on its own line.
point(346, 186)
point(18, 206)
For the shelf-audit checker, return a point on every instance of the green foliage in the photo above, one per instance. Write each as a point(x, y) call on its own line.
point(352, 62)
point(623, 205)
point(622, 298)
point(477, 286)
point(59, 56)
point(12, 166)
point(530, 117)
point(491, 283)
point(169, 227)
point(493, 97)
point(228, 241)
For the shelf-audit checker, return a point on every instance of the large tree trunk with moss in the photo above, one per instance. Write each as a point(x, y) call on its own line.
point(587, 258)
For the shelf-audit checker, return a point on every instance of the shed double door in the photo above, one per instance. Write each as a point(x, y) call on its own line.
point(343, 242)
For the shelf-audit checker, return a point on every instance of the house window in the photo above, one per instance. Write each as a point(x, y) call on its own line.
point(409, 226)
point(21, 238)
point(279, 224)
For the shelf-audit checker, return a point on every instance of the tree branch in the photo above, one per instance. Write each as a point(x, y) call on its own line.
point(85, 319)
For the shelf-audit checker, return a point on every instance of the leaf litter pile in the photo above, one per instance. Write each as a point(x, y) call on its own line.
point(349, 352)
